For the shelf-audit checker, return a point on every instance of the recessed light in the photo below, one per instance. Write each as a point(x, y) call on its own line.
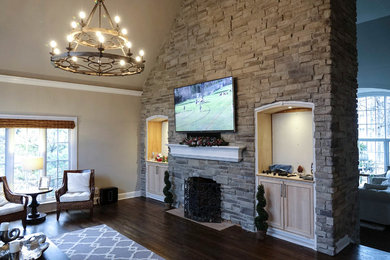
point(289, 107)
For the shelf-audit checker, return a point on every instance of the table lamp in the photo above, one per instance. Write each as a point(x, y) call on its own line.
point(33, 164)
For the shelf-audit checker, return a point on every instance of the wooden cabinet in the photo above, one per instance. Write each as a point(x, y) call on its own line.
point(273, 191)
point(290, 205)
point(155, 180)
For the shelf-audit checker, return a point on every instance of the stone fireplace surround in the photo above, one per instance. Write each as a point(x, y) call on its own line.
point(277, 51)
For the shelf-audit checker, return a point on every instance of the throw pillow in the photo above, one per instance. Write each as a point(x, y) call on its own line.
point(3, 200)
point(78, 182)
point(375, 186)
point(386, 183)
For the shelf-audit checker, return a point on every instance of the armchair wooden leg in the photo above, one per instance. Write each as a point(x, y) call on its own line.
point(58, 214)
point(24, 223)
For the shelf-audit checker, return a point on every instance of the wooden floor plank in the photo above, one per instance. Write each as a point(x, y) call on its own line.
point(145, 221)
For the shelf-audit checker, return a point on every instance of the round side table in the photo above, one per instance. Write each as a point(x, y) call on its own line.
point(34, 217)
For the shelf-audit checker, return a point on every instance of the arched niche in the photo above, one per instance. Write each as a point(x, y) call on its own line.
point(156, 136)
point(285, 134)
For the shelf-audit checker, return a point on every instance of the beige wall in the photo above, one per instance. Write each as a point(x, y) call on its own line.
point(107, 127)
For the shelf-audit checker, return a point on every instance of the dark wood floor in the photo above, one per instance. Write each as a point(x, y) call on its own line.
point(376, 238)
point(144, 221)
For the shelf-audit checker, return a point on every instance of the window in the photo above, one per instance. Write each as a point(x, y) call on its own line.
point(2, 152)
point(57, 158)
point(374, 134)
point(26, 143)
point(57, 147)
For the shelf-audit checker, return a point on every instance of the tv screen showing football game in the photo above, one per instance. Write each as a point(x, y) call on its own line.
point(205, 107)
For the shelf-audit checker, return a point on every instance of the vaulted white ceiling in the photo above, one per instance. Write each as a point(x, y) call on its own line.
point(27, 26)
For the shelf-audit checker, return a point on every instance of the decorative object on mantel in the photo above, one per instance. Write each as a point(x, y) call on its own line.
point(204, 141)
point(98, 62)
point(168, 194)
point(300, 169)
point(261, 219)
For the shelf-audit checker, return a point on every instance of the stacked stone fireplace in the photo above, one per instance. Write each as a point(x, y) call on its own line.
point(202, 200)
point(276, 51)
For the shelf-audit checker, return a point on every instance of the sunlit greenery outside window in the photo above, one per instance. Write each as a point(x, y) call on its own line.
point(16, 144)
point(374, 134)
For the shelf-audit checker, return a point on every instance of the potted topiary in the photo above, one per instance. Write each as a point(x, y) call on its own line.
point(262, 215)
point(168, 194)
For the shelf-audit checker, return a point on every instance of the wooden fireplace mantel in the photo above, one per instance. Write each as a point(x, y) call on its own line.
point(216, 153)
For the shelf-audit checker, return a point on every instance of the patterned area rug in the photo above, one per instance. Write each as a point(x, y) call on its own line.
point(101, 242)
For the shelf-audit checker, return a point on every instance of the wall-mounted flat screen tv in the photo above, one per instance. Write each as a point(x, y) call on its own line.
point(205, 107)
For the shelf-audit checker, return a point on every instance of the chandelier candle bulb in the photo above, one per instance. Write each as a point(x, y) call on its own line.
point(53, 44)
point(111, 54)
point(82, 15)
point(69, 38)
point(101, 38)
point(141, 53)
point(73, 24)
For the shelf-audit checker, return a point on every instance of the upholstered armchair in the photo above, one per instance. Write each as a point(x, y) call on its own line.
point(12, 206)
point(77, 191)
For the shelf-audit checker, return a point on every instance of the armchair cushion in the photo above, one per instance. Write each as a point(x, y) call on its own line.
point(9, 208)
point(375, 186)
point(378, 180)
point(78, 182)
point(75, 196)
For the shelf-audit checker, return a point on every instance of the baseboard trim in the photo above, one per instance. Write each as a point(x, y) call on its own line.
point(342, 243)
point(296, 239)
point(67, 85)
point(154, 196)
point(129, 195)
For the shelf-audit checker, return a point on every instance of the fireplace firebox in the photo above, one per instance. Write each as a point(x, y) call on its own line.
point(202, 200)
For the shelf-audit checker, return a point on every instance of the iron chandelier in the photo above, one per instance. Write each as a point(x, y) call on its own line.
point(98, 62)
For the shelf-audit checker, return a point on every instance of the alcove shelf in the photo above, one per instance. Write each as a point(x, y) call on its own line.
point(156, 139)
point(216, 153)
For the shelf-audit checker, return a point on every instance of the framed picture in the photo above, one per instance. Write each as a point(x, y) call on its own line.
point(44, 183)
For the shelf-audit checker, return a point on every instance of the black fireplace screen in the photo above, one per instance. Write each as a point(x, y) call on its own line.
point(202, 200)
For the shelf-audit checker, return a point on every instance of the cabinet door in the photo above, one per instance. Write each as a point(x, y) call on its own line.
point(160, 179)
point(151, 179)
point(274, 207)
point(298, 208)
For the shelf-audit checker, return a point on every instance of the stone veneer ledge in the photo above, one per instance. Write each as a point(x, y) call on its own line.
point(287, 50)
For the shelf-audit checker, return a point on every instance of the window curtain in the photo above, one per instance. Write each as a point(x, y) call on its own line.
point(32, 123)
